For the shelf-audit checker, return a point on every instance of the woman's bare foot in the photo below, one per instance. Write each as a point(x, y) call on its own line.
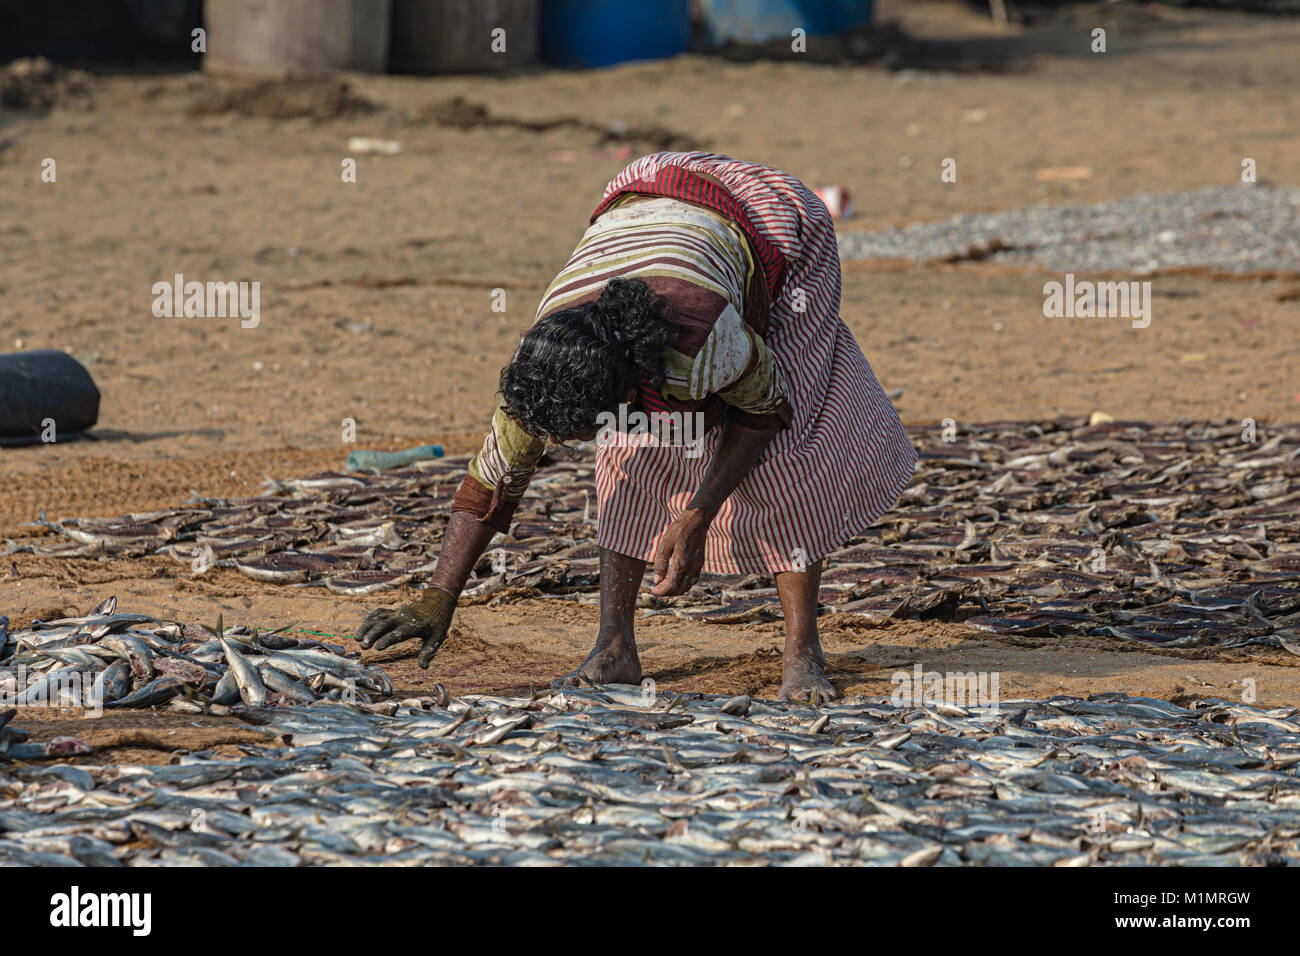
point(801, 674)
point(803, 665)
point(614, 659)
point(610, 662)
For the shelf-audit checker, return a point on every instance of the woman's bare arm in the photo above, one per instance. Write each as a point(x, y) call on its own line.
point(738, 452)
point(680, 557)
point(428, 617)
point(463, 543)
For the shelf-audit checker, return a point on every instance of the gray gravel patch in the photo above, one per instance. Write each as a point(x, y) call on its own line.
point(1234, 229)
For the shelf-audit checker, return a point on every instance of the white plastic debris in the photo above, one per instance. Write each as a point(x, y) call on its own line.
point(368, 144)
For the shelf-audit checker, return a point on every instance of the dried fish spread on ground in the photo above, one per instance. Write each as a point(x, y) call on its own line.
point(587, 777)
point(115, 660)
point(1231, 229)
point(1178, 534)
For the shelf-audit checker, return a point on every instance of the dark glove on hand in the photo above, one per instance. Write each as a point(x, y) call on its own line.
point(428, 617)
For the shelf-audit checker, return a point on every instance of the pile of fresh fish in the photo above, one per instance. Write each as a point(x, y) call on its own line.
point(611, 777)
point(112, 660)
point(1179, 534)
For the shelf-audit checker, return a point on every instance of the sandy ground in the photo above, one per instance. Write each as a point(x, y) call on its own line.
point(377, 303)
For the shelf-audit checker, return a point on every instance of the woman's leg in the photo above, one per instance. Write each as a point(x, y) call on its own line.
point(803, 664)
point(614, 659)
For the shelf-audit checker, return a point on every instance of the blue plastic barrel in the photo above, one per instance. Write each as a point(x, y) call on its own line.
point(604, 32)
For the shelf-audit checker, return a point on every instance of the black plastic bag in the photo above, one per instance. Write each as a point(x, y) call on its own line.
point(45, 384)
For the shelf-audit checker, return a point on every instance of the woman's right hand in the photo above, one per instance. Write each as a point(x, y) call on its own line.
point(428, 618)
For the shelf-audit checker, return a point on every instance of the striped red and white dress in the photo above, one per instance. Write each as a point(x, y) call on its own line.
point(843, 460)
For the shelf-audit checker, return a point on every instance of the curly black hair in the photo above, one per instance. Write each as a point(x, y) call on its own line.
point(577, 363)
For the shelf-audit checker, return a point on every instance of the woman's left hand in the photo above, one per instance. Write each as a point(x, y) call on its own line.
point(680, 557)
